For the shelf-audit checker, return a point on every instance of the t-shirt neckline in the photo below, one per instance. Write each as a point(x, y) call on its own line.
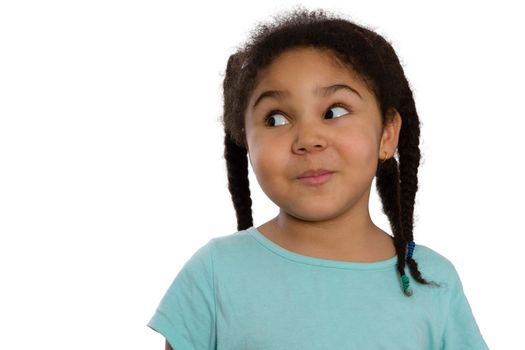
point(304, 259)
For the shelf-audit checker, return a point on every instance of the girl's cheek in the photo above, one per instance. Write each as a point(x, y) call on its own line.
point(358, 142)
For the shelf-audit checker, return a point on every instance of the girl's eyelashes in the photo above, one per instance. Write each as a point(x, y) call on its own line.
point(331, 114)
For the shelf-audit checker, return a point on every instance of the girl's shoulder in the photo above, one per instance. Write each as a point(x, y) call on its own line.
point(239, 244)
point(435, 266)
point(427, 255)
point(224, 245)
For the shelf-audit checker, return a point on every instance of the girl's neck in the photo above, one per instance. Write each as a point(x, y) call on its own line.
point(358, 242)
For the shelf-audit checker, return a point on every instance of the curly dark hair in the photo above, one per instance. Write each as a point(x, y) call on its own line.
point(376, 62)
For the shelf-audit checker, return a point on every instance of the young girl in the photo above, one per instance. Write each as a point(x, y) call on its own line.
point(319, 106)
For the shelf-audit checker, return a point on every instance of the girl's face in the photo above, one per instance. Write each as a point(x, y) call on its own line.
point(307, 127)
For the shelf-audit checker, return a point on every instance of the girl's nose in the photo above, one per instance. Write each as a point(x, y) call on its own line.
point(309, 138)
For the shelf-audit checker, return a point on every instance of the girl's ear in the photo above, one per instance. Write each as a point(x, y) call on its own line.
point(390, 137)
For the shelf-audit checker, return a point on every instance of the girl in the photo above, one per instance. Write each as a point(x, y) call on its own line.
point(319, 106)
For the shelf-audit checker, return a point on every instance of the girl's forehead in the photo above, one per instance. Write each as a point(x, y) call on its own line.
point(317, 56)
point(308, 71)
point(313, 63)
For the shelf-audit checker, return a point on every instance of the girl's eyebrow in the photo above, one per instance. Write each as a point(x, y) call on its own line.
point(324, 91)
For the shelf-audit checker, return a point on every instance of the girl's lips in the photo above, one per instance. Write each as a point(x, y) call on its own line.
point(316, 180)
point(314, 172)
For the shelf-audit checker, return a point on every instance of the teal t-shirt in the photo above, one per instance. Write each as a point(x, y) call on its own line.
point(243, 291)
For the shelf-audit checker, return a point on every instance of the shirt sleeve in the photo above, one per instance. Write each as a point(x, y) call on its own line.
point(461, 329)
point(186, 313)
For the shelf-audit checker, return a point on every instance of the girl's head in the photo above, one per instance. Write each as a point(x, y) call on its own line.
point(342, 104)
point(324, 118)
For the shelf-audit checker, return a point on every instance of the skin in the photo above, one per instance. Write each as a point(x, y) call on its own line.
point(330, 221)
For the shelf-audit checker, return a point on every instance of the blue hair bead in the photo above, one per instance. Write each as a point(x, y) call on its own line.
point(411, 246)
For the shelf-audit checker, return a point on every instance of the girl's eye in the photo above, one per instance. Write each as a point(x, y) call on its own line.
point(270, 116)
point(341, 107)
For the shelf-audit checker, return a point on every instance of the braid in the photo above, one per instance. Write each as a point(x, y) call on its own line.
point(397, 184)
point(388, 186)
point(235, 152)
point(397, 188)
point(409, 155)
point(238, 183)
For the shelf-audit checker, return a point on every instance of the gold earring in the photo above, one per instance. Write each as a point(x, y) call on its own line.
point(386, 156)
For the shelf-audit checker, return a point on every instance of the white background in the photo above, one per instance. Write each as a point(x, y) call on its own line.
point(112, 173)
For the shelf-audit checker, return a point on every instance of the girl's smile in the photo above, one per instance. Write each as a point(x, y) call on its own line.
point(316, 180)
